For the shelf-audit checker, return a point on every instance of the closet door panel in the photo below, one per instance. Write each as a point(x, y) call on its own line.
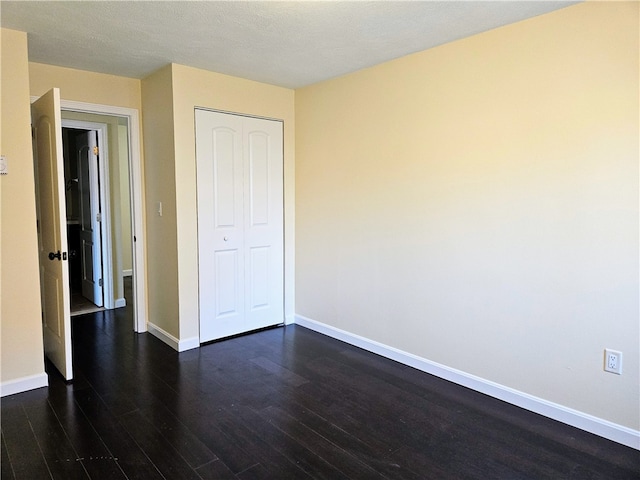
point(258, 158)
point(228, 301)
point(263, 154)
point(259, 278)
point(220, 224)
point(226, 184)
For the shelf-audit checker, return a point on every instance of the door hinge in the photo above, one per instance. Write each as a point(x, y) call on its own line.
point(100, 282)
point(99, 217)
point(96, 150)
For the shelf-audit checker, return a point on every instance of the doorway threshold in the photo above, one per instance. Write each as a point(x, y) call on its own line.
point(83, 310)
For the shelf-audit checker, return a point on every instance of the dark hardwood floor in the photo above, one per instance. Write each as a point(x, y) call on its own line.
point(278, 404)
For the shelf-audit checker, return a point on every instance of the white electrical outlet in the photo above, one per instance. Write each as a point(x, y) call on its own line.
point(613, 361)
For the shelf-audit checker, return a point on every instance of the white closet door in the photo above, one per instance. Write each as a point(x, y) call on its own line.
point(240, 223)
point(263, 223)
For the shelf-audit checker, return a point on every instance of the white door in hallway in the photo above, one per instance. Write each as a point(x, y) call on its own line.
point(89, 195)
point(52, 231)
point(240, 223)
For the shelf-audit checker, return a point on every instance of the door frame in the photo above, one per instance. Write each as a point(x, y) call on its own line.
point(281, 191)
point(137, 203)
point(105, 207)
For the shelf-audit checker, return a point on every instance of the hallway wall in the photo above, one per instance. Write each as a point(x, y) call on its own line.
point(21, 345)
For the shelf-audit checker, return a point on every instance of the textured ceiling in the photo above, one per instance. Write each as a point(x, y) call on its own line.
point(291, 44)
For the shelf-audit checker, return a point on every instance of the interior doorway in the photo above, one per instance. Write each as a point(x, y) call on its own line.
point(47, 113)
point(99, 217)
point(84, 235)
point(129, 117)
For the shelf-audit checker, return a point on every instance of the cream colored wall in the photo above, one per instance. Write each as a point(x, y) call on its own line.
point(199, 88)
point(83, 86)
point(160, 186)
point(476, 205)
point(20, 313)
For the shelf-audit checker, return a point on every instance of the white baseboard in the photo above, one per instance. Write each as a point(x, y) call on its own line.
point(127, 273)
point(120, 302)
point(24, 384)
point(173, 342)
point(188, 344)
point(575, 418)
point(289, 319)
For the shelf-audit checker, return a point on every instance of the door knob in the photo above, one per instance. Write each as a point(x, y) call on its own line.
point(55, 255)
point(226, 238)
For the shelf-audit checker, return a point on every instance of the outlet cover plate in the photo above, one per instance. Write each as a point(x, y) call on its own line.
point(613, 361)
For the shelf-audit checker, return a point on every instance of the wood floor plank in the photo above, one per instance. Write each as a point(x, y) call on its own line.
point(91, 450)
point(283, 374)
point(163, 455)
point(344, 415)
point(132, 460)
point(280, 441)
point(21, 444)
point(224, 445)
point(277, 404)
point(194, 452)
point(385, 463)
point(339, 458)
point(59, 454)
point(240, 449)
point(352, 412)
point(255, 472)
point(215, 470)
point(6, 470)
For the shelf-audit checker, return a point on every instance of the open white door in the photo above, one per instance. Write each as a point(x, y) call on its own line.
point(52, 232)
point(89, 193)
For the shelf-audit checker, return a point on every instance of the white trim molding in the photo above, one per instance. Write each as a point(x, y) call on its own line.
point(598, 426)
point(173, 342)
point(188, 344)
point(24, 384)
point(120, 302)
